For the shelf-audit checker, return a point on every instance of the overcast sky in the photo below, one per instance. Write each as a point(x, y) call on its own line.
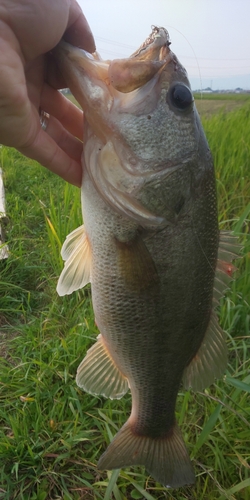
point(210, 37)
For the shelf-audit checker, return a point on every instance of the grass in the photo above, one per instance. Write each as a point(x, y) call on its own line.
point(208, 104)
point(51, 433)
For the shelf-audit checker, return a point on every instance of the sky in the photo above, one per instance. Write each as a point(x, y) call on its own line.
point(211, 38)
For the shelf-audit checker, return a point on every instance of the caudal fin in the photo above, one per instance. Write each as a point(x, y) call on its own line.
point(166, 459)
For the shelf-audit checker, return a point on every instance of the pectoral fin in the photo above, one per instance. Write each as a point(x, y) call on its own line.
point(135, 265)
point(77, 255)
point(98, 374)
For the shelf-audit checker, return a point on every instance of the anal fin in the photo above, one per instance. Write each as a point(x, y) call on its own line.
point(211, 359)
point(98, 374)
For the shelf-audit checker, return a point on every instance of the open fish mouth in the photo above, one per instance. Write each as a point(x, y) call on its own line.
point(152, 56)
point(125, 75)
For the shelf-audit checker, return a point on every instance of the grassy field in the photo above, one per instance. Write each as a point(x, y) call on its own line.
point(51, 433)
point(208, 104)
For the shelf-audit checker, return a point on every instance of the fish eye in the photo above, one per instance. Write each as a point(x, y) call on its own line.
point(180, 96)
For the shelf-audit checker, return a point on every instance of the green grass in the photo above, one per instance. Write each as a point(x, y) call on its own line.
point(51, 433)
point(231, 96)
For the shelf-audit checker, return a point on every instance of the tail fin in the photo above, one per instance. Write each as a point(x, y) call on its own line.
point(166, 459)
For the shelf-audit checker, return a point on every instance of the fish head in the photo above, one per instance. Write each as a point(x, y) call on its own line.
point(140, 111)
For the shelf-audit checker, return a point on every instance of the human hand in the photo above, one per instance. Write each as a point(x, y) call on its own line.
point(28, 31)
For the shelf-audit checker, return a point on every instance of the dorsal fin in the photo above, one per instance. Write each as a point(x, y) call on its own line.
point(211, 359)
point(229, 250)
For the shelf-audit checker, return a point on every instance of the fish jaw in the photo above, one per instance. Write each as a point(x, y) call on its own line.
point(121, 84)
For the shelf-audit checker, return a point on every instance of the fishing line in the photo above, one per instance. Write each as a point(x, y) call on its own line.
point(113, 42)
point(195, 57)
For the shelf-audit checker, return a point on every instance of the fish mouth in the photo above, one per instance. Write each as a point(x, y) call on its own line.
point(124, 75)
point(152, 56)
point(156, 45)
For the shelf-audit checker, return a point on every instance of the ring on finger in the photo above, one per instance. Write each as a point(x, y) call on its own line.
point(44, 119)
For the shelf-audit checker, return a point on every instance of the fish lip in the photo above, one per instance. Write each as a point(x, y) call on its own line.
point(155, 47)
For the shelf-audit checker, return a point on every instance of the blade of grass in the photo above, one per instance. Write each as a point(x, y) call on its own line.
point(238, 487)
point(238, 384)
point(112, 482)
point(207, 429)
point(139, 488)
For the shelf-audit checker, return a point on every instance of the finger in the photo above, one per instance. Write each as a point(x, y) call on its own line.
point(57, 105)
point(47, 152)
point(66, 141)
point(78, 32)
point(38, 25)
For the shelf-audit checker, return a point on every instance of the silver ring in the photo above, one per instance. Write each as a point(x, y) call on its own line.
point(44, 119)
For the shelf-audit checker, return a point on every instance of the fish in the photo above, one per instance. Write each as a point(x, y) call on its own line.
point(150, 246)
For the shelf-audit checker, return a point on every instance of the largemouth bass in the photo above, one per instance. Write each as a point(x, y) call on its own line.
point(150, 247)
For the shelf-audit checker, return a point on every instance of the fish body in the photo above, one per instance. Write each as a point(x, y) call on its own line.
point(149, 247)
